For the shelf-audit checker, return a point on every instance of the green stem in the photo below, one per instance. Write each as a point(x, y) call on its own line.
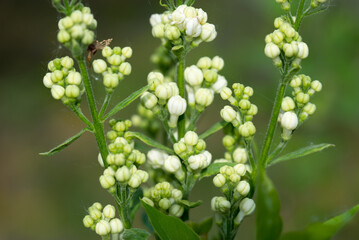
point(181, 87)
point(187, 187)
point(78, 112)
point(97, 124)
point(277, 150)
point(123, 208)
point(105, 104)
point(300, 15)
point(250, 154)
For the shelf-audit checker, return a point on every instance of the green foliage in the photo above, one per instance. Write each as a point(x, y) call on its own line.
point(268, 219)
point(202, 228)
point(301, 152)
point(135, 234)
point(324, 230)
point(64, 144)
point(188, 204)
point(215, 128)
point(168, 227)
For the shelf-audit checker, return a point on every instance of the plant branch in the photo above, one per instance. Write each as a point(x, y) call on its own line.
point(181, 87)
point(78, 112)
point(105, 104)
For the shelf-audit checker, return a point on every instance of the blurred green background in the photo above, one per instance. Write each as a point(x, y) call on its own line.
point(45, 198)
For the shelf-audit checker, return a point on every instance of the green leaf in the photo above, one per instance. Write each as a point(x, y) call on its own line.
point(214, 168)
point(301, 152)
point(215, 128)
point(64, 144)
point(325, 230)
point(268, 219)
point(168, 227)
point(149, 141)
point(125, 102)
point(203, 227)
point(189, 204)
point(135, 203)
point(135, 234)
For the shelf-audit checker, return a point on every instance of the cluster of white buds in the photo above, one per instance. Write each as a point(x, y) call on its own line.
point(77, 28)
point(233, 182)
point(297, 108)
point(192, 150)
point(287, 41)
point(123, 159)
point(317, 3)
point(118, 67)
point(203, 81)
point(102, 220)
point(185, 21)
point(63, 80)
point(166, 198)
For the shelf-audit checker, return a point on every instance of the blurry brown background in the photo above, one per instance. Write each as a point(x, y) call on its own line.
point(45, 198)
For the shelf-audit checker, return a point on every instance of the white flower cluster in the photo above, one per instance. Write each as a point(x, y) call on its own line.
point(203, 81)
point(118, 68)
point(63, 80)
point(233, 181)
point(192, 150)
point(185, 20)
point(165, 197)
point(285, 40)
point(102, 220)
point(78, 27)
point(123, 159)
point(299, 105)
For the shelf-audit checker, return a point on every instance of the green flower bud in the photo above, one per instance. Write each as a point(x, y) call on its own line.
point(309, 108)
point(116, 226)
point(88, 221)
point(243, 188)
point(295, 82)
point(271, 50)
point(234, 178)
point(226, 93)
point(219, 180)
point(109, 172)
point(253, 110)
point(123, 174)
point(74, 78)
point(88, 37)
point(149, 100)
point(240, 169)
point(164, 203)
point(107, 181)
point(278, 22)
point(172, 33)
point(176, 210)
point(228, 114)
point(302, 98)
point(191, 138)
point(127, 52)
point(158, 31)
point(57, 76)
point(277, 37)
point(67, 62)
point(103, 228)
point(57, 92)
point(77, 31)
point(210, 76)
point(222, 204)
point(99, 66)
point(163, 91)
point(290, 49)
point(204, 97)
point(72, 91)
point(218, 63)
point(107, 52)
point(172, 164)
point(114, 59)
point(125, 68)
point(95, 214)
point(179, 148)
point(288, 104)
point(76, 16)
point(247, 129)
point(316, 86)
point(135, 181)
point(240, 155)
point(244, 104)
point(63, 36)
point(148, 201)
point(200, 146)
point(87, 18)
point(176, 194)
point(204, 63)
point(226, 170)
point(109, 211)
point(110, 80)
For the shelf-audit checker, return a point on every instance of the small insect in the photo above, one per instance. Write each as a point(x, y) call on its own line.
point(96, 45)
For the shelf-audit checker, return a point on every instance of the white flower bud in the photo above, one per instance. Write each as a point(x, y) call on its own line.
point(288, 104)
point(116, 225)
point(114, 59)
point(63, 36)
point(149, 100)
point(247, 129)
point(88, 37)
point(220, 84)
point(243, 188)
point(95, 213)
point(135, 181)
point(99, 66)
point(156, 157)
point(87, 18)
point(109, 211)
point(123, 174)
point(193, 75)
point(74, 78)
point(197, 161)
point(88, 221)
point(204, 63)
point(103, 228)
point(158, 31)
point(176, 105)
point(288, 30)
point(240, 169)
point(155, 19)
point(77, 31)
point(219, 180)
point(201, 16)
point(295, 82)
point(303, 50)
point(109, 172)
point(172, 33)
point(226, 93)
point(289, 120)
point(226, 170)
point(72, 91)
point(277, 37)
point(247, 206)
point(271, 50)
point(110, 80)
point(208, 156)
point(66, 22)
point(148, 201)
point(177, 194)
point(175, 90)
point(179, 147)
point(57, 92)
point(163, 91)
point(204, 97)
point(290, 49)
point(172, 164)
point(222, 204)
point(67, 62)
point(278, 22)
point(127, 52)
point(228, 114)
point(143, 175)
point(316, 86)
point(57, 76)
point(208, 33)
point(177, 17)
point(47, 80)
point(302, 97)
point(191, 138)
point(240, 155)
point(309, 108)
point(125, 68)
point(76, 16)
point(100, 161)
point(176, 210)
point(218, 63)
point(106, 52)
point(193, 27)
point(107, 181)
point(164, 203)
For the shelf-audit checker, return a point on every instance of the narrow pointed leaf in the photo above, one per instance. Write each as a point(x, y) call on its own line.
point(301, 152)
point(135, 234)
point(126, 102)
point(64, 144)
point(202, 228)
point(325, 230)
point(168, 227)
point(215, 128)
point(188, 204)
point(214, 168)
point(149, 141)
point(268, 219)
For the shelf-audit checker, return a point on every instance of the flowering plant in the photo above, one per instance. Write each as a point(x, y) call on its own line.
point(161, 177)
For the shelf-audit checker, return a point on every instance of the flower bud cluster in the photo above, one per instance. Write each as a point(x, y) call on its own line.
point(63, 80)
point(184, 21)
point(297, 108)
point(193, 151)
point(287, 41)
point(234, 184)
point(102, 220)
point(285, 4)
point(166, 198)
point(123, 159)
point(203, 81)
point(118, 67)
point(77, 29)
